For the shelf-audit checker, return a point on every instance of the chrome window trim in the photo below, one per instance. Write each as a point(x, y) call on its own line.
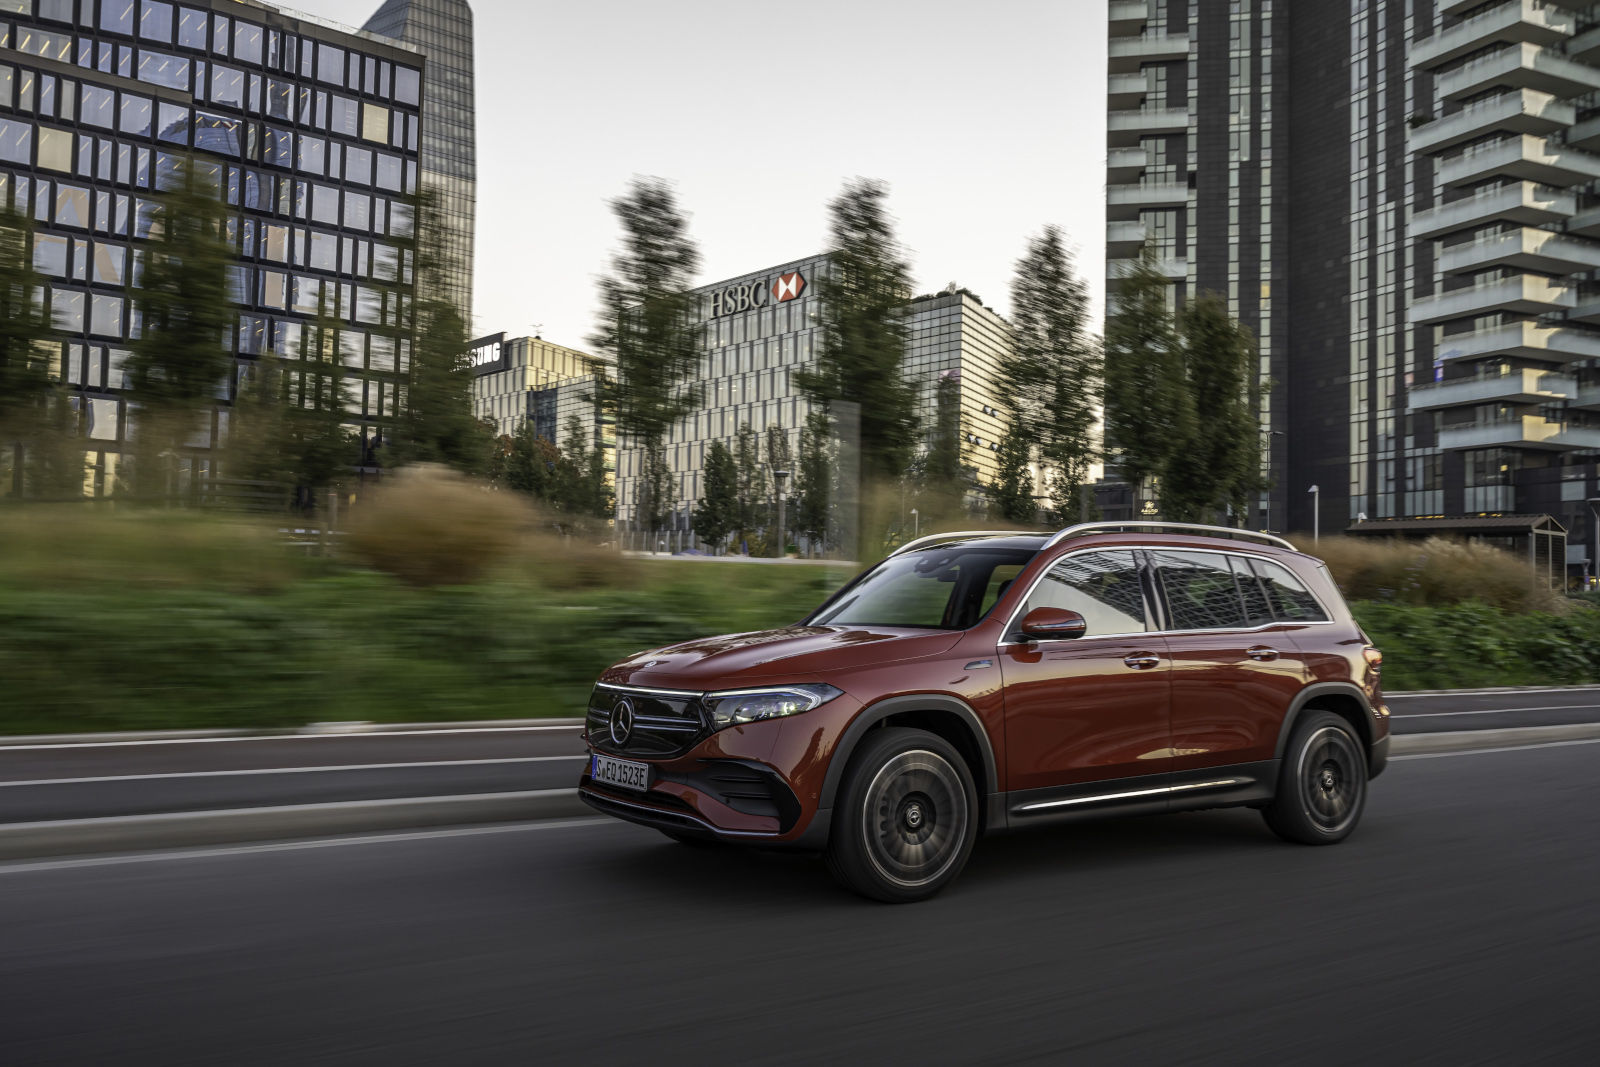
point(1329, 621)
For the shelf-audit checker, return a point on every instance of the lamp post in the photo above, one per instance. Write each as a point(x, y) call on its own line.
point(778, 478)
point(916, 523)
point(1316, 512)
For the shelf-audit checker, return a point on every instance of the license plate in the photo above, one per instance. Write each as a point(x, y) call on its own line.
point(620, 772)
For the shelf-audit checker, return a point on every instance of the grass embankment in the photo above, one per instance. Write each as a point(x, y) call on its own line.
point(450, 604)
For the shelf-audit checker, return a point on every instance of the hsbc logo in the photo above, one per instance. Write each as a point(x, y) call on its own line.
point(788, 286)
point(750, 295)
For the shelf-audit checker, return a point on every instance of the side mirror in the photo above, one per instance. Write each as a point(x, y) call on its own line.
point(1053, 624)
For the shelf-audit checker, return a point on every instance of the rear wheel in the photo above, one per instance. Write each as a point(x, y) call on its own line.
point(906, 819)
point(1322, 782)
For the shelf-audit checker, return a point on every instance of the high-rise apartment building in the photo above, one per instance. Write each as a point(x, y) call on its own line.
point(309, 132)
point(1398, 197)
point(442, 31)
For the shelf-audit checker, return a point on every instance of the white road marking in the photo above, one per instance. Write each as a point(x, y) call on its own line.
point(1506, 748)
point(292, 770)
point(1492, 711)
point(285, 737)
point(293, 846)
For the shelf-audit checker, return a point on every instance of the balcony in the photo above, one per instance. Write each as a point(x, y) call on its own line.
point(1522, 66)
point(1585, 47)
point(1126, 90)
point(1521, 431)
point(1529, 158)
point(1126, 201)
point(1518, 387)
point(1523, 249)
point(1524, 340)
point(1585, 134)
point(1586, 395)
point(1586, 223)
point(1128, 17)
point(1523, 111)
point(1525, 202)
point(1525, 20)
point(1126, 165)
point(1128, 54)
point(1124, 239)
point(1169, 267)
point(1125, 128)
point(1516, 296)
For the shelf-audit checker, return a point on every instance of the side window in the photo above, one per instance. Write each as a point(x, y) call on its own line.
point(1103, 587)
point(1000, 580)
point(1200, 590)
point(1291, 601)
point(1257, 611)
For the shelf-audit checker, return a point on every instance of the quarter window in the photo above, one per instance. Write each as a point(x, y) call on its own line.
point(1291, 601)
point(1200, 590)
point(1258, 612)
point(1103, 587)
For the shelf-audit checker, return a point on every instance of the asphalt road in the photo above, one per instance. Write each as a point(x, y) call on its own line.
point(76, 781)
point(1458, 926)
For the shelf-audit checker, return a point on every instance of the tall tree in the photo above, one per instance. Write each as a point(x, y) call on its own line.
point(1148, 406)
point(779, 459)
point(259, 446)
point(650, 331)
point(1054, 372)
point(1012, 492)
point(813, 480)
point(436, 424)
point(718, 513)
point(863, 299)
point(943, 480)
point(1217, 465)
point(30, 406)
point(182, 354)
point(752, 482)
point(533, 465)
point(322, 446)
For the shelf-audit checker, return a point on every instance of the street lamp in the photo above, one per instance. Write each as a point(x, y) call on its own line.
point(1316, 512)
point(778, 477)
point(916, 524)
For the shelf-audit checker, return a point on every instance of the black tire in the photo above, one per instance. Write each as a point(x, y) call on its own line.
point(1322, 782)
point(906, 817)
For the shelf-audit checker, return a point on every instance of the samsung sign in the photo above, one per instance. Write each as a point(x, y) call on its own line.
point(487, 354)
point(732, 299)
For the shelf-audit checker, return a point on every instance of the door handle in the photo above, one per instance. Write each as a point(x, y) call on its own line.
point(1261, 652)
point(1143, 661)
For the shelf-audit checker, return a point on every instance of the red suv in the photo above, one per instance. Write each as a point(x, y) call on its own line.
point(979, 682)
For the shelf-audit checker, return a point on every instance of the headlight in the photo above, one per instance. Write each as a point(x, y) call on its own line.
point(734, 706)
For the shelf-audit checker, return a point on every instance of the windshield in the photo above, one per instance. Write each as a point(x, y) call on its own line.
point(938, 588)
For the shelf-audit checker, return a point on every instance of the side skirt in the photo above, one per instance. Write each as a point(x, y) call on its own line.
point(1147, 794)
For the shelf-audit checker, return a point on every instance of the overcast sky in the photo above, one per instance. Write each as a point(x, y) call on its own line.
point(986, 119)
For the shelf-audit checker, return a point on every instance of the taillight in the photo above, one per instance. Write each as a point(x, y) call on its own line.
point(1373, 657)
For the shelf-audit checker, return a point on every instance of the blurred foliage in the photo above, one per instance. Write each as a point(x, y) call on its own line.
point(1434, 572)
point(1476, 644)
point(429, 526)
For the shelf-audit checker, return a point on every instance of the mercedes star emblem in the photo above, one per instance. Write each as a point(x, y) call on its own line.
point(622, 721)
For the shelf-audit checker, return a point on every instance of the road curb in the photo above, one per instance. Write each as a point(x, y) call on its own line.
point(1509, 737)
point(131, 833)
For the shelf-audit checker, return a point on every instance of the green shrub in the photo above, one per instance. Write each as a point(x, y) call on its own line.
point(1476, 644)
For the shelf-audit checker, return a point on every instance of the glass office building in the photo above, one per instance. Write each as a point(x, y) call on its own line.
point(309, 132)
point(442, 31)
point(522, 379)
point(763, 326)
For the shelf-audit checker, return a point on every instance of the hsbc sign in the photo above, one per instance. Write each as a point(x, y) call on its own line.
point(748, 295)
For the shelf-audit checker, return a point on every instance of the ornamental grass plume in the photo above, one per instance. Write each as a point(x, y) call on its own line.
point(1437, 571)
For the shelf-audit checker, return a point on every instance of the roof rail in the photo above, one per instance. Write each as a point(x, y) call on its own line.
point(951, 535)
point(1083, 529)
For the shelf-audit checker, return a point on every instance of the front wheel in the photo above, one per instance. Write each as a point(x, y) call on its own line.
point(906, 819)
point(1322, 783)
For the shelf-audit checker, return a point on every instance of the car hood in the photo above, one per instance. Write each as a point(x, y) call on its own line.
point(794, 653)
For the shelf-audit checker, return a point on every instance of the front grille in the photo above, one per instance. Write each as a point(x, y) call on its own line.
point(664, 724)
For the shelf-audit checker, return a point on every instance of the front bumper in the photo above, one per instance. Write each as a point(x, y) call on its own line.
point(760, 783)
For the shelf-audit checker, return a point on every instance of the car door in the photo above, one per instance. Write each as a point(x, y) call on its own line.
point(1235, 669)
point(1090, 708)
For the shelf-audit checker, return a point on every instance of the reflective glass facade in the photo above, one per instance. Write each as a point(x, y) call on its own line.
point(442, 31)
point(309, 132)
